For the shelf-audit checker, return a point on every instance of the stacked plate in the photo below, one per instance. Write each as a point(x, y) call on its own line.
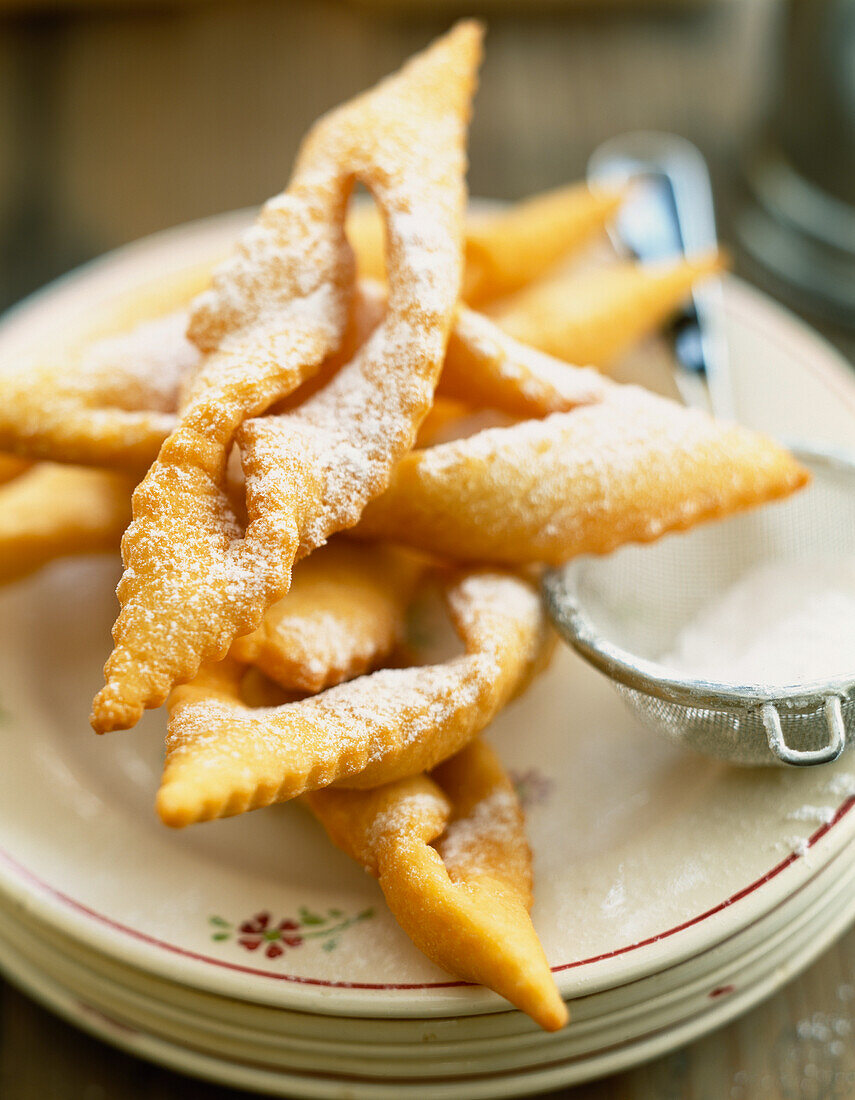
point(672, 891)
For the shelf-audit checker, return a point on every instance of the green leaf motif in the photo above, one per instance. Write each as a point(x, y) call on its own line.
point(308, 917)
point(309, 926)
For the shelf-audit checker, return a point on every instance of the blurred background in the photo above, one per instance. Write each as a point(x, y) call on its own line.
point(121, 118)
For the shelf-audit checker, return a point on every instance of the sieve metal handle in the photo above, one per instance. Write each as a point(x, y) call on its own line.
point(805, 758)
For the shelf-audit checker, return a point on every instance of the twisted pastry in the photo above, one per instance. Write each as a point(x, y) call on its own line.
point(276, 310)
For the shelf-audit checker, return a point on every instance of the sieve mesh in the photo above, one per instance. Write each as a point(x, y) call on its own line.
point(738, 735)
point(623, 611)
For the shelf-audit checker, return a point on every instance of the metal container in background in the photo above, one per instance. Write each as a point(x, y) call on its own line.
point(799, 222)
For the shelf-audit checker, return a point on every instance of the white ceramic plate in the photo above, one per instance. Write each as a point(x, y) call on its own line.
point(281, 1068)
point(645, 855)
point(432, 1047)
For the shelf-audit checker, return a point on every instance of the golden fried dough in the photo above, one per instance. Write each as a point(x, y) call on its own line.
point(454, 865)
point(484, 367)
point(223, 758)
point(367, 236)
point(256, 690)
point(627, 469)
point(53, 511)
point(507, 249)
point(593, 317)
point(192, 584)
point(346, 610)
point(441, 422)
point(487, 368)
point(12, 467)
point(112, 407)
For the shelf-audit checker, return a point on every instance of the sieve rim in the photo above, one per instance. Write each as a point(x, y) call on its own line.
point(560, 592)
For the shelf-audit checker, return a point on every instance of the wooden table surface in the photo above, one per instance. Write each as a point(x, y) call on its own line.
point(119, 124)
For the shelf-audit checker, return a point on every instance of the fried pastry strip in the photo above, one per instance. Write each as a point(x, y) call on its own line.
point(117, 405)
point(223, 758)
point(627, 469)
point(346, 609)
point(452, 859)
point(12, 467)
point(53, 511)
point(112, 407)
point(192, 584)
point(593, 317)
point(507, 249)
point(485, 367)
point(599, 315)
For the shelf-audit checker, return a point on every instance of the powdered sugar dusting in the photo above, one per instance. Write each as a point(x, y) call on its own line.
point(476, 591)
point(628, 467)
point(607, 440)
point(111, 406)
point(356, 428)
point(814, 815)
point(140, 369)
point(274, 312)
point(407, 815)
point(544, 383)
point(469, 843)
point(379, 727)
point(352, 432)
point(424, 698)
point(321, 642)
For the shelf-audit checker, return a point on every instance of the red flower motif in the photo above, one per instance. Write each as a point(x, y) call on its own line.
point(284, 927)
point(261, 931)
point(256, 925)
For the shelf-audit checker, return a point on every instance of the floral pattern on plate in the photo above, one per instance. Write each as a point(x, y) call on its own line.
point(532, 786)
point(275, 937)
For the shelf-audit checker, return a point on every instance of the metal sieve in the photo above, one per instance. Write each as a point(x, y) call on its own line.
point(622, 611)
